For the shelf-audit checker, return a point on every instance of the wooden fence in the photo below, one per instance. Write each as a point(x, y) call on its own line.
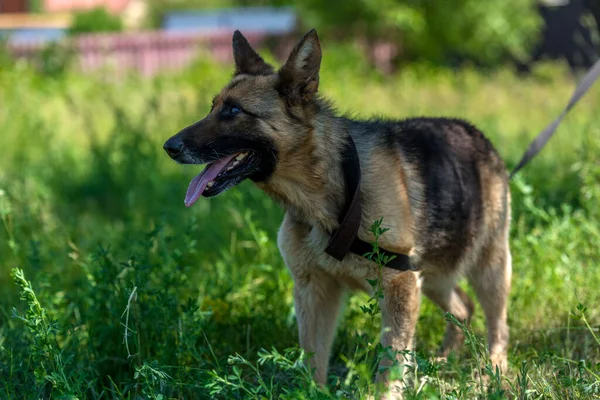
point(149, 52)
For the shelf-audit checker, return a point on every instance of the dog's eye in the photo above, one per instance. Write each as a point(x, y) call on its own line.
point(229, 111)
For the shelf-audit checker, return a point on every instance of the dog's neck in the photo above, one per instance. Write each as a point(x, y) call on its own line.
point(309, 182)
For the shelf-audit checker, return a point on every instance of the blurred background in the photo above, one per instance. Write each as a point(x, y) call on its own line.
point(158, 34)
point(122, 292)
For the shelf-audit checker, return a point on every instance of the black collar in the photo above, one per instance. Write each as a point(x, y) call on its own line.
point(345, 239)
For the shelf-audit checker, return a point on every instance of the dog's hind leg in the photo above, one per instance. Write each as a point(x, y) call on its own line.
point(442, 290)
point(317, 298)
point(491, 282)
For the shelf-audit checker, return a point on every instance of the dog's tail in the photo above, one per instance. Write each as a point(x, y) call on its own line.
point(542, 138)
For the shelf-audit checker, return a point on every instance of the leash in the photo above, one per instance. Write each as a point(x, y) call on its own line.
point(345, 239)
point(543, 137)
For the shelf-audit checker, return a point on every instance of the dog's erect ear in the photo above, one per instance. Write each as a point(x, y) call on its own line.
point(247, 61)
point(299, 77)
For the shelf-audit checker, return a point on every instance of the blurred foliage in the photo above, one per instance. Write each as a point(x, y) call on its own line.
point(55, 59)
point(35, 6)
point(95, 20)
point(6, 60)
point(439, 31)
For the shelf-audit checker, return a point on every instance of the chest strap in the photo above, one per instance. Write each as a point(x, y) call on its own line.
point(345, 239)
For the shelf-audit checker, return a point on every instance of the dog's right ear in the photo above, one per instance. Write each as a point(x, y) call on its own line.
point(247, 61)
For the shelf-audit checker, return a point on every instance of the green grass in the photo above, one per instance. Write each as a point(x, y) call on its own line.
point(128, 294)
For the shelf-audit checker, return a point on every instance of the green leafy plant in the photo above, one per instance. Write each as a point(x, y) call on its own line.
point(55, 59)
point(94, 21)
point(46, 356)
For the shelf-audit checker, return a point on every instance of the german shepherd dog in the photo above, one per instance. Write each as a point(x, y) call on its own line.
point(439, 185)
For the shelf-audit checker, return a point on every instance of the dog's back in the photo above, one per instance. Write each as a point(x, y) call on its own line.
point(459, 184)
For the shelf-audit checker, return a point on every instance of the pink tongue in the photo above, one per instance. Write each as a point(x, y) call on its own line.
point(198, 184)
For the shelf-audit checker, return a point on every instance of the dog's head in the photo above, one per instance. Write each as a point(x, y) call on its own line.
point(261, 117)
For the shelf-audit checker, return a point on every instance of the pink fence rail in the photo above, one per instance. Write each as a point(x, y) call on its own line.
point(149, 52)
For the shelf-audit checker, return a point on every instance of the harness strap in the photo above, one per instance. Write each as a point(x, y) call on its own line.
point(344, 239)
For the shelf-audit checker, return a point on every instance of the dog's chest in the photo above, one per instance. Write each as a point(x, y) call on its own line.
point(304, 251)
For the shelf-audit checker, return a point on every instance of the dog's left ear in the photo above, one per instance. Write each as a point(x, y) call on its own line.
point(247, 61)
point(299, 77)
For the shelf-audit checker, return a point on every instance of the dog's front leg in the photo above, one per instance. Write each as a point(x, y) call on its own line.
point(317, 298)
point(400, 312)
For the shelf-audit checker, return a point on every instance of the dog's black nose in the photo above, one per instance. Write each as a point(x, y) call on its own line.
point(173, 146)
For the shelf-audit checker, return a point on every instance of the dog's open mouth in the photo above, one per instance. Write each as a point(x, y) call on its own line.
point(221, 175)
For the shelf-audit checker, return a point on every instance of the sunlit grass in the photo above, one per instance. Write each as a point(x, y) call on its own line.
point(91, 208)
